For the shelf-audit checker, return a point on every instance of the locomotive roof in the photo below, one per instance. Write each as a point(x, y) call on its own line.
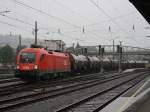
point(42, 50)
point(33, 50)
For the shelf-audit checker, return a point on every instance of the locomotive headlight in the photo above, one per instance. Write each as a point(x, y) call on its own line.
point(35, 66)
point(17, 67)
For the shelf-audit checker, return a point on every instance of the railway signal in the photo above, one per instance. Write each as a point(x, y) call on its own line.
point(85, 51)
point(119, 49)
point(99, 49)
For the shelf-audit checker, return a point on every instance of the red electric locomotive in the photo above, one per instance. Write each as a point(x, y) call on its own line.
point(37, 63)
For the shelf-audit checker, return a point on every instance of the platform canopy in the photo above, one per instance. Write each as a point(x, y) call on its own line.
point(143, 6)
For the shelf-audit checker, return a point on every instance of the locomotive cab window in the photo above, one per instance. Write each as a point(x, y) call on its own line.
point(42, 57)
point(27, 57)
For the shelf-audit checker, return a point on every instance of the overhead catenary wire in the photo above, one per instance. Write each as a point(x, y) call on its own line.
point(48, 14)
point(16, 19)
point(111, 19)
point(71, 10)
point(23, 21)
point(114, 18)
point(131, 13)
point(43, 12)
point(133, 28)
point(67, 8)
point(27, 23)
point(95, 34)
point(19, 20)
point(18, 27)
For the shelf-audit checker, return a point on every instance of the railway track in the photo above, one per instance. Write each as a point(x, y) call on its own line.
point(98, 101)
point(46, 93)
point(15, 88)
point(12, 83)
point(72, 82)
point(8, 80)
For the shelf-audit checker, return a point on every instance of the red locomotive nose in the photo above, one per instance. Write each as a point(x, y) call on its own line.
point(27, 67)
point(27, 61)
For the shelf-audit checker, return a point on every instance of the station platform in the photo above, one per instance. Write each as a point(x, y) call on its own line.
point(136, 99)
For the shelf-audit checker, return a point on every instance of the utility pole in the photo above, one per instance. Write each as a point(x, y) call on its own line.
point(36, 30)
point(19, 42)
point(120, 57)
point(113, 48)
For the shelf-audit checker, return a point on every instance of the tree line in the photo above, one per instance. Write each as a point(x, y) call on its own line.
point(8, 54)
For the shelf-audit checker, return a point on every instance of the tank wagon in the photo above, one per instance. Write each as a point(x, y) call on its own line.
point(38, 63)
point(113, 65)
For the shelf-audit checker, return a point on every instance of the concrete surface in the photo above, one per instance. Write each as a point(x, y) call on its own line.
point(136, 99)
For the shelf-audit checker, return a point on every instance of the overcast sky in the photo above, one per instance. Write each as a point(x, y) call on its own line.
point(101, 20)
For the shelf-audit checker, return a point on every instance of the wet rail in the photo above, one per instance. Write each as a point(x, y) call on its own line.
point(14, 88)
point(46, 93)
point(8, 80)
point(12, 83)
point(99, 100)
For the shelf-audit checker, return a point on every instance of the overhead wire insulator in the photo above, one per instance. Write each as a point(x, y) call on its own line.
point(83, 30)
point(133, 28)
point(109, 29)
point(59, 31)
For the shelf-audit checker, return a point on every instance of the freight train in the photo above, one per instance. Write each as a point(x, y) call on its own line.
point(38, 63)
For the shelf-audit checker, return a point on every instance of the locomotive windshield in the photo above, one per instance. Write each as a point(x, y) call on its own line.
point(27, 57)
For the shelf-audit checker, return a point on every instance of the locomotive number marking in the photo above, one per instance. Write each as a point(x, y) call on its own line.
point(65, 62)
point(26, 67)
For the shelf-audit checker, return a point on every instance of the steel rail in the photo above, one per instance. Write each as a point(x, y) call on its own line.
point(52, 93)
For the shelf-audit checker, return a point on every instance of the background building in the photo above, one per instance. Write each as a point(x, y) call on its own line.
point(55, 45)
